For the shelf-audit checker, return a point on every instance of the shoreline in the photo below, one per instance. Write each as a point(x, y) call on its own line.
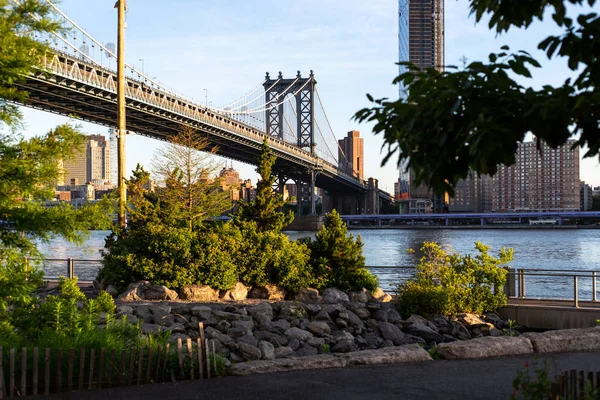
point(476, 227)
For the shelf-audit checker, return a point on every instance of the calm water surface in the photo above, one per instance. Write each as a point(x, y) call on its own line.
point(385, 251)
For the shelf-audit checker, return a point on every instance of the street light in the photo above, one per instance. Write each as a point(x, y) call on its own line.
point(142, 60)
point(205, 97)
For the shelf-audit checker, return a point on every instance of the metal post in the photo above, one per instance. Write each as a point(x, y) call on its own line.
point(575, 292)
point(121, 126)
point(70, 268)
point(313, 205)
point(510, 287)
point(594, 296)
point(521, 283)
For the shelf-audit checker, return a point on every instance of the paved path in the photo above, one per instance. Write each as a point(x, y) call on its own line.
point(461, 379)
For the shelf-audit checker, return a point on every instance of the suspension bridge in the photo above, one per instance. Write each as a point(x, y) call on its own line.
point(76, 79)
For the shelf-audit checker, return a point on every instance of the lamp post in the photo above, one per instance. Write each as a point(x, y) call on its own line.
point(142, 61)
point(121, 126)
point(206, 97)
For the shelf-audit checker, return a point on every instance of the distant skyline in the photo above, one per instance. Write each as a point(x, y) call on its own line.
point(226, 48)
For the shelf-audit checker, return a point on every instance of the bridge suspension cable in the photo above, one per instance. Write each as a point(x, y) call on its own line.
point(330, 128)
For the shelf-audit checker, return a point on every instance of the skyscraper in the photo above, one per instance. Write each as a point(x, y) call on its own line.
point(351, 155)
point(421, 42)
point(90, 163)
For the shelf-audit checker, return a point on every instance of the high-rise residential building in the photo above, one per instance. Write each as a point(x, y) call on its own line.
point(351, 155)
point(473, 194)
point(89, 163)
point(114, 159)
point(421, 42)
point(230, 178)
point(540, 180)
point(586, 194)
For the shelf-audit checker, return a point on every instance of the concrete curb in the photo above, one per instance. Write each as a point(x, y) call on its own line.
point(586, 339)
point(392, 355)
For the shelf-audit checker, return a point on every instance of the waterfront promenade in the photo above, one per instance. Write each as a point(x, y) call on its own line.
point(459, 379)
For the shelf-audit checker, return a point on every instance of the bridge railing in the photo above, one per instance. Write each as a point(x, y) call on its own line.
point(54, 268)
point(78, 70)
point(563, 284)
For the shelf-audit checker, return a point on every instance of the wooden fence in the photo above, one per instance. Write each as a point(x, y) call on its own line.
point(36, 371)
point(576, 385)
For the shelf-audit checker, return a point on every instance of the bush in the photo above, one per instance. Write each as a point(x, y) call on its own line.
point(469, 284)
point(336, 257)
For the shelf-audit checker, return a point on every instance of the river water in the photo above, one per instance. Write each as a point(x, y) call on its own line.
point(386, 253)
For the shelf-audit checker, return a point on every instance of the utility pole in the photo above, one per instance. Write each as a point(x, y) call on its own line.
point(121, 127)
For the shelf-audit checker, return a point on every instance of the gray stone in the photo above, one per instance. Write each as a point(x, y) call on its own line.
point(110, 289)
point(237, 293)
point(344, 346)
point(486, 347)
point(363, 313)
point(354, 320)
point(294, 344)
point(587, 339)
point(322, 316)
point(212, 333)
point(306, 350)
point(299, 334)
point(248, 325)
point(162, 315)
point(313, 308)
point(458, 330)
point(262, 309)
point(410, 339)
point(249, 352)
point(273, 338)
point(394, 316)
point(470, 321)
point(342, 335)
point(263, 321)
point(341, 323)
point(229, 316)
point(284, 352)
point(177, 328)
point(198, 293)
point(268, 292)
point(237, 332)
point(391, 332)
point(267, 350)
point(425, 332)
point(123, 310)
point(417, 319)
point(248, 339)
point(223, 326)
point(175, 337)
point(380, 315)
point(315, 342)
point(280, 326)
point(397, 355)
point(334, 295)
point(151, 328)
point(307, 295)
point(334, 309)
point(494, 319)
point(133, 292)
point(292, 364)
point(361, 296)
point(319, 328)
point(158, 292)
point(202, 312)
point(144, 314)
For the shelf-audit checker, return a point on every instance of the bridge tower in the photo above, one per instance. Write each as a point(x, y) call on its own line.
point(276, 92)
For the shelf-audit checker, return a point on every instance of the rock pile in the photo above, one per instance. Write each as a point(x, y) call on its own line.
point(316, 323)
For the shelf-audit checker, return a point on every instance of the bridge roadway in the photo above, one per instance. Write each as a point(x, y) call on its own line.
point(70, 86)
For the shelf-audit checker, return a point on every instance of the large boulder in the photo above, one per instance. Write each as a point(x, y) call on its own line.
point(486, 347)
point(587, 339)
point(381, 296)
point(249, 352)
point(264, 309)
point(267, 350)
point(237, 293)
point(334, 295)
point(291, 364)
point(307, 295)
point(361, 296)
point(398, 355)
point(158, 292)
point(267, 292)
point(198, 293)
point(133, 292)
point(391, 332)
point(319, 328)
point(471, 321)
point(297, 333)
point(425, 332)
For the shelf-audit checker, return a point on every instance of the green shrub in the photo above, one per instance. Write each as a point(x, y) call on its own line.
point(337, 259)
point(472, 284)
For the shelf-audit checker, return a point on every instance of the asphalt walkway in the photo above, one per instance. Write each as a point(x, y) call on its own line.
point(458, 379)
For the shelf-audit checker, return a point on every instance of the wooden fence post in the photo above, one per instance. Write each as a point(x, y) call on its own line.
point(59, 371)
point(34, 390)
point(200, 359)
point(81, 367)
point(11, 366)
point(24, 371)
point(1, 375)
point(91, 376)
point(140, 365)
point(191, 357)
point(47, 371)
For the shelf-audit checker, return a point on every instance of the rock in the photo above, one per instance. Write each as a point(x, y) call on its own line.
point(248, 339)
point(334, 295)
point(411, 353)
point(151, 328)
point(342, 335)
point(283, 352)
point(307, 295)
point(315, 342)
point(313, 308)
point(263, 321)
point(249, 352)
point(175, 337)
point(292, 364)
point(177, 328)
point(110, 289)
point(144, 313)
point(381, 296)
point(162, 315)
point(273, 338)
point(410, 339)
point(237, 332)
point(354, 320)
point(223, 326)
point(212, 333)
point(587, 339)
point(380, 315)
point(267, 292)
point(470, 321)
point(425, 332)
point(417, 319)
point(298, 333)
point(294, 344)
point(229, 316)
point(323, 315)
point(133, 292)
point(344, 346)
point(264, 309)
point(361, 296)
point(202, 312)
point(340, 323)
point(237, 293)
point(458, 330)
point(394, 316)
point(363, 313)
point(319, 328)
point(306, 350)
point(486, 347)
point(391, 332)
point(292, 311)
point(494, 319)
point(280, 326)
point(248, 325)
point(198, 293)
point(124, 310)
point(267, 350)
point(158, 292)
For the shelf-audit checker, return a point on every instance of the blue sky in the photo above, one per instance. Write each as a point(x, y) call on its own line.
point(227, 46)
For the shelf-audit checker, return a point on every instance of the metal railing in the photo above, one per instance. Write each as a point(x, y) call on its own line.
point(579, 281)
point(54, 268)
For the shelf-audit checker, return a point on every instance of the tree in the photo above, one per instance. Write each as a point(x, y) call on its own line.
point(265, 209)
point(455, 121)
point(20, 51)
point(191, 190)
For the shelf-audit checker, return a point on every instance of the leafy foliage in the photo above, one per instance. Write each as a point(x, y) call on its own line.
point(532, 383)
point(452, 283)
point(20, 51)
point(337, 259)
point(455, 121)
point(264, 210)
